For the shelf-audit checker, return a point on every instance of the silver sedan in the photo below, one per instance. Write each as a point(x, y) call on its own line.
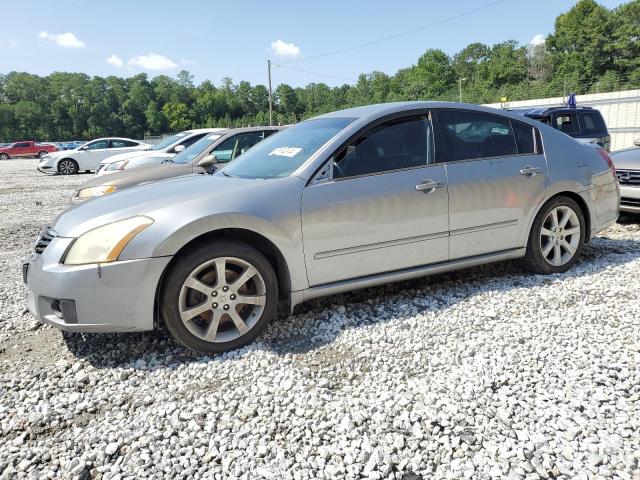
point(346, 200)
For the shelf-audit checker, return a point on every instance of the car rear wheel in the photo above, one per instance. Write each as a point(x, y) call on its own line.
point(67, 167)
point(556, 238)
point(4, 156)
point(42, 153)
point(219, 297)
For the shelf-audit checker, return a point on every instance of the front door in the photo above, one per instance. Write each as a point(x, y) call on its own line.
point(497, 176)
point(93, 153)
point(383, 208)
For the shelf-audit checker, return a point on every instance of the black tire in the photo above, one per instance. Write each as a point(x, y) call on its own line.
point(183, 267)
point(42, 153)
point(534, 259)
point(67, 166)
point(4, 156)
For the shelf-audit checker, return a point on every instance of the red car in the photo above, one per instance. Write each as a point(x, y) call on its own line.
point(26, 149)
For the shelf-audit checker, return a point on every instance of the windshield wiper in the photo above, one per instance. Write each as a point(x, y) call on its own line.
point(226, 174)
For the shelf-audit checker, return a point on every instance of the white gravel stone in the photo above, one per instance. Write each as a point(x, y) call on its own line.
point(482, 373)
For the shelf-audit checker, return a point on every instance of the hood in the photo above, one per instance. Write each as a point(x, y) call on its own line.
point(170, 201)
point(135, 176)
point(133, 154)
point(628, 159)
point(60, 153)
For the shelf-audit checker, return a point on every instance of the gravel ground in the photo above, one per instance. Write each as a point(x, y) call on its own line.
point(483, 373)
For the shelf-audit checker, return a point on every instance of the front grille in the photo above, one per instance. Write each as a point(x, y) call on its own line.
point(628, 177)
point(630, 202)
point(43, 240)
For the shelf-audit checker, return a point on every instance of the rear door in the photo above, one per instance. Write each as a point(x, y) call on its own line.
point(384, 207)
point(497, 176)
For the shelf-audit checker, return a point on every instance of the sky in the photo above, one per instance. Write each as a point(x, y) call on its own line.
point(216, 39)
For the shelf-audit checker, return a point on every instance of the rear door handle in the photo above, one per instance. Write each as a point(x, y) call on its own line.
point(428, 186)
point(530, 171)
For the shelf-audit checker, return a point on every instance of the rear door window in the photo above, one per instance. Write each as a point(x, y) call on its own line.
point(119, 144)
point(566, 123)
point(472, 135)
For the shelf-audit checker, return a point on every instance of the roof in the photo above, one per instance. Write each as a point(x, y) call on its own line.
point(204, 130)
point(381, 109)
point(544, 111)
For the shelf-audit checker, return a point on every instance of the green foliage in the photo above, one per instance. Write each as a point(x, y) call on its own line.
point(591, 49)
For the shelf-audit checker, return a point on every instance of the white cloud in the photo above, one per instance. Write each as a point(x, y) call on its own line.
point(68, 39)
point(538, 39)
point(152, 61)
point(283, 49)
point(115, 60)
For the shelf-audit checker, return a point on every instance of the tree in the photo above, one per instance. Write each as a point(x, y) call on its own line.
point(625, 45)
point(177, 115)
point(431, 77)
point(579, 42)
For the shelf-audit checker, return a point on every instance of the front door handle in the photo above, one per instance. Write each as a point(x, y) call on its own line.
point(428, 186)
point(530, 171)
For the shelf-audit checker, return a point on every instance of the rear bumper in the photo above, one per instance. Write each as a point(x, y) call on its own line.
point(112, 297)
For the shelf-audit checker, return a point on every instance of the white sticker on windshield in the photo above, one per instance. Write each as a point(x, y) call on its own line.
point(286, 151)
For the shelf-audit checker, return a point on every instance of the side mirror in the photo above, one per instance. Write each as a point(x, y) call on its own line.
point(84, 148)
point(178, 148)
point(208, 161)
point(636, 142)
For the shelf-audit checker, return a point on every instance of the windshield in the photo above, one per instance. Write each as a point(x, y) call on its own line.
point(281, 154)
point(162, 144)
point(191, 152)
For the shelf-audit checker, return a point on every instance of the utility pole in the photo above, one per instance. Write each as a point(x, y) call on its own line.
point(270, 94)
point(460, 80)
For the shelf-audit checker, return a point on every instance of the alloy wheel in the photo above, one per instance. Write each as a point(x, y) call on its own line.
point(222, 299)
point(560, 235)
point(67, 167)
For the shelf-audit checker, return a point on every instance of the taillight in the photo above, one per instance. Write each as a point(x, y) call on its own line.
point(603, 153)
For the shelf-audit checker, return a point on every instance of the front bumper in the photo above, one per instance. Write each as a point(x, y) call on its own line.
point(47, 165)
point(110, 297)
point(629, 199)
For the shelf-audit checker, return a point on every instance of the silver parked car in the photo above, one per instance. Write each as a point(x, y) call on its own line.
point(346, 200)
point(627, 163)
point(206, 155)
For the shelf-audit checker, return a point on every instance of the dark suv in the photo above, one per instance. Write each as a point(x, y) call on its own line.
point(585, 124)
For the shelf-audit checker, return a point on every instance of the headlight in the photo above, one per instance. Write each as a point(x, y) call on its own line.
point(105, 244)
point(120, 165)
point(91, 192)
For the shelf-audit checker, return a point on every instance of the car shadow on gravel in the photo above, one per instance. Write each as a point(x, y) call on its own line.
point(157, 350)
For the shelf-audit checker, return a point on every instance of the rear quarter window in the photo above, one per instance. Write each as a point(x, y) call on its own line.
point(592, 122)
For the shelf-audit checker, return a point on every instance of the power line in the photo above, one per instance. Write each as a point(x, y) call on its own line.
point(408, 32)
point(311, 73)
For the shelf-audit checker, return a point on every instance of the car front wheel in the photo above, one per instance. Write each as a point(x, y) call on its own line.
point(556, 238)
point(67, 167)
point(219, 296)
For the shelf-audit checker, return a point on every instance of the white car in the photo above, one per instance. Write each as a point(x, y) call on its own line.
point(166, 148)
point(87, 157)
